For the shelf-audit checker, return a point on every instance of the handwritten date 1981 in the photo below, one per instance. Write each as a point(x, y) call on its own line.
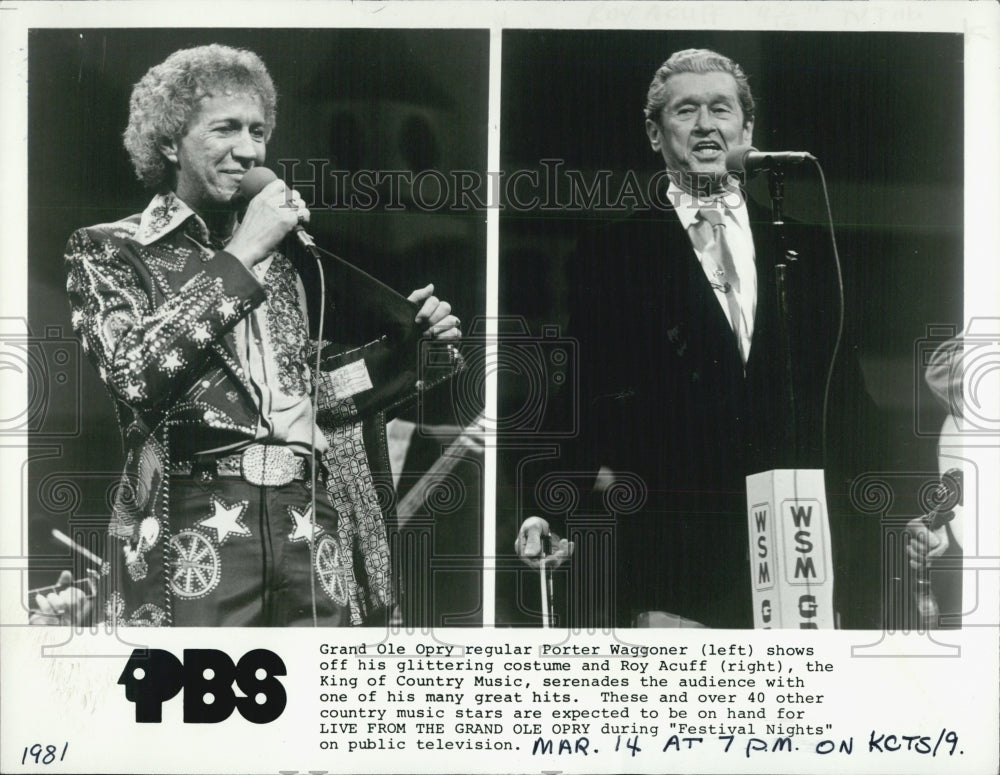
point(40, 754)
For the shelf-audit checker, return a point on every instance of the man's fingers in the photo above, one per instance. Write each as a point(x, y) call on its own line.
point(531, 543)
point(438, 314)
point(298, 205)
point(563, 551)
point(534, 538)
point(428, 309)
point(939, 543)
point(529, 537)
point(419, 295)
point(74, 599)
point(43, 606)
point(925, 545)
point(444, 324)
point(80, 606)
point(269, 217)
point(532, 549)
point(52, 604)
point(449, 333)
point(276, 186)
point(69, 604)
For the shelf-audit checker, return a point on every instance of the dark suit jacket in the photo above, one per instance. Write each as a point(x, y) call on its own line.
point(664, 402)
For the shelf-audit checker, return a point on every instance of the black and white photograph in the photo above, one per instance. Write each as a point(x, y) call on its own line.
point(152, 151)
point(686, 370)
point(463, 387)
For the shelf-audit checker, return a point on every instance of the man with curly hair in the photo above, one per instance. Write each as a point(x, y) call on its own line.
point(243, 501)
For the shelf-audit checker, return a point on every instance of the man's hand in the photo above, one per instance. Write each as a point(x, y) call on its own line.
point(271, 214)
point(531, 544)
point(436, 314)
point(925, 544)
point(65, 604)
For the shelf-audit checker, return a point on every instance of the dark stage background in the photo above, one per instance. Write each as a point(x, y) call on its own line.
point(408, 100)
point(882, 112)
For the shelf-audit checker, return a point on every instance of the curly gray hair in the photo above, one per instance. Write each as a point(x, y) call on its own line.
point(167, 97)
point(697, 60)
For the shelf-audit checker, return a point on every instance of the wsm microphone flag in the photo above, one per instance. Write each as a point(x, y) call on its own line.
point(790, 559)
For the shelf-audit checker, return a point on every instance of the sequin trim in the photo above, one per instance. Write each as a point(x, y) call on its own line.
point(333, 573)
point(285, 326)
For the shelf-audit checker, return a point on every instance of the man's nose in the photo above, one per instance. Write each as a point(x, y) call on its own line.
point(244, 147)
point(704, 120)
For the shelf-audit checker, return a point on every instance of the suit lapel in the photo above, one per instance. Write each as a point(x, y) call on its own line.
point(765, 253)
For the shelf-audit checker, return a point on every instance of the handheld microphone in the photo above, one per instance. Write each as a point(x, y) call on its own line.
point(254, 181)
point(750, 160)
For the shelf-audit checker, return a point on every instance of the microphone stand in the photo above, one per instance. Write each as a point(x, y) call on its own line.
point(545, 580)
point(776, 190)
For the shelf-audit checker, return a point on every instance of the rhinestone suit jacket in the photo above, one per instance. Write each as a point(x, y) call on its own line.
point(155, 311)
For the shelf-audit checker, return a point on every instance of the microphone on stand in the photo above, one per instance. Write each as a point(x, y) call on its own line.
point(254, 181)
point(750, 160)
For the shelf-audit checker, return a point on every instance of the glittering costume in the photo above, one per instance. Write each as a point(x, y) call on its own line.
point(157, 310)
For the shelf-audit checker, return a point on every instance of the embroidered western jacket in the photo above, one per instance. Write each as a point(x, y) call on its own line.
point(155, 309)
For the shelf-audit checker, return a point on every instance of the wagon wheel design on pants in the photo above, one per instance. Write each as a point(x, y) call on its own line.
point(196, 566)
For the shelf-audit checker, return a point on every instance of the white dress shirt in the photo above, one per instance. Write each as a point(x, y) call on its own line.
point(740, 241)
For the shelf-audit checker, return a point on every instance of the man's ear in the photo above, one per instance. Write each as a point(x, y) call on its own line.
point(655, 134)
point(168, 147)
point(747, 134)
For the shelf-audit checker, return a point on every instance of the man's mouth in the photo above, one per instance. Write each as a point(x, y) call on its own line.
point(706, 149)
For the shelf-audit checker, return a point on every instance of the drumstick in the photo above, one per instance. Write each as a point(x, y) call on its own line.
point(62, 538)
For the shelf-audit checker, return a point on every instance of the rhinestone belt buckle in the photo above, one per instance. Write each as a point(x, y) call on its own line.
point(270, 465)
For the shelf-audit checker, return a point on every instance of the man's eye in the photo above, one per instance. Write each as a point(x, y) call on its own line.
point(257, 133)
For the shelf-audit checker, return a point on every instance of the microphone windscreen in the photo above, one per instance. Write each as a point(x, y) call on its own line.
point(736, 159)
point(254, 181)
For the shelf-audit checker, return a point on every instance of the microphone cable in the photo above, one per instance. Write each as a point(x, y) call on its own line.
point(313, 568)
point(840, 307)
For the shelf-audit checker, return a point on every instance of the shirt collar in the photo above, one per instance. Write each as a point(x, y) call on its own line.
point(165, 213)
point(687, 205)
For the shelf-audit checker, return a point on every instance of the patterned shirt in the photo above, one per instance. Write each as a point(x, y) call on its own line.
point(271, 341)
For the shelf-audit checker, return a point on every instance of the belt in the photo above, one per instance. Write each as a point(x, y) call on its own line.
point(269, 465)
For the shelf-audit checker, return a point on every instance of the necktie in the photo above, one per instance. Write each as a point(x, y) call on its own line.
point(723, 274)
